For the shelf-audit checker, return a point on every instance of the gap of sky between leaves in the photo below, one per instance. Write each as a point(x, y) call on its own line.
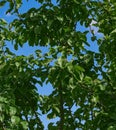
point(27, 50)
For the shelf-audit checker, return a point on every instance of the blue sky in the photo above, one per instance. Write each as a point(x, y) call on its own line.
point(26, 50)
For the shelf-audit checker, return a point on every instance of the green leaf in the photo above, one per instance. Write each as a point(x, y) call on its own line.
point(18, 3)
point(3, 22)
point(88, 80)
point(112, 128)
point(17, 64)
point(78, 68)
point(12, 111)
point(69, 42)
point(16, 46)
point(95, 99)
point(52, 127)
point(61, 62)
point(56, 109)
point(51, 115)
point(114, 31)
point(24, 124)
point(60, 18)
point(102, 87)
point(15, 119)
point(37, 30)
point(2, 117)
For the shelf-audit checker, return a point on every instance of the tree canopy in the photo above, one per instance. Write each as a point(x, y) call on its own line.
point(83, 80)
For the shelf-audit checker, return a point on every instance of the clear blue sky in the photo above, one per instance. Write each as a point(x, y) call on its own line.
point(26, 50)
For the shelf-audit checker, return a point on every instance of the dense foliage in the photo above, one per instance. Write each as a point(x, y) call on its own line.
point(83, 80)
